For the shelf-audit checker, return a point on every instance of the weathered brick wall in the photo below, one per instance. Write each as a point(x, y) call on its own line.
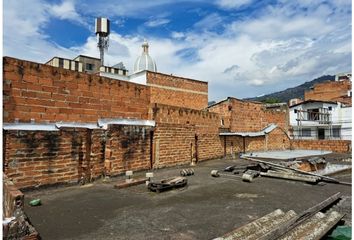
point(330, 91)
point(128, 148)
point(225, 111)
point(339, 146)
point(278, 116)
point(204, 121)
point(174, 144)
point(275, 140)
point(98, 149)
point(209, 146)
point(12, 198)
point(35, 158)
point(13, 205)
point(41, 92)
point(205, 138)
point(233, 145)
point(177, 91)
point(248, 116)
point(255, 143)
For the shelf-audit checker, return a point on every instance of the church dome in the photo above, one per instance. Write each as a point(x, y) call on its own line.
point(145, 62)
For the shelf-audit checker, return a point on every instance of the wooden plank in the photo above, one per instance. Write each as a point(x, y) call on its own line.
point(132, 182)
point(284, 228)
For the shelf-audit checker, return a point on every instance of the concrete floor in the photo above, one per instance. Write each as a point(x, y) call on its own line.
point(207, 208)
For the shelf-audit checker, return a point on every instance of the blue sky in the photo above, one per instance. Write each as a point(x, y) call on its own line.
point(243, 48)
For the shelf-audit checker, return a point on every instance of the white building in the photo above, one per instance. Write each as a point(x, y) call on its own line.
point(321, 120)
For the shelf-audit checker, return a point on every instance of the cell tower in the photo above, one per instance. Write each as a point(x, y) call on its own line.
point(102, 29)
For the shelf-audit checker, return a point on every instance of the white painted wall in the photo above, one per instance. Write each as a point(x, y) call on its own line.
point(114, 76)
point(139, 77)
point(341, 117)
point(308, 106)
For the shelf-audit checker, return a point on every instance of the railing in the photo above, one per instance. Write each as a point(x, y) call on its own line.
point(320, 117)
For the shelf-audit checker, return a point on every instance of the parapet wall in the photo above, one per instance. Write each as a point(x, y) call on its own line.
point(338, 146)
point(203, 120)
point(275, 140)
point(330, 91)
point(177, 91)
point(45, 93)
point(247, 116)
point(174, 144)
point(73, 155)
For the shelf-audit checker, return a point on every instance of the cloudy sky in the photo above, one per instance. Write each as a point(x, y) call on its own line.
point(243, 48)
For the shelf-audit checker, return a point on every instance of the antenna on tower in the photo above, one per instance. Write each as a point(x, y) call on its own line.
point(102, 29)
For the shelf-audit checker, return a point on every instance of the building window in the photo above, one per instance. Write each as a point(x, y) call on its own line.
point(89, 66)
point(306, 132)
point(329, 108)
point(222, 122)
point(336, 132)
point(61, 62)
point(314, 114)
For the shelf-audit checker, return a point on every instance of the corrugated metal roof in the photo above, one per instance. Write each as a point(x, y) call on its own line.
point(263, 132)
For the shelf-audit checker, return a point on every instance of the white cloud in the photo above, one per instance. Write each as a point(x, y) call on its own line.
point(209, 22)
point(177, 35)
point(66, 11)
point(282, 46)
point(157, 22)
point(232, 4)
point(23, 37)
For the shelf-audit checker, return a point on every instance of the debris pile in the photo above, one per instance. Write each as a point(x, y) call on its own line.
point(304, 171)
point(167, 184)
point(308, 165)
point(312, 224)
point(19, 227)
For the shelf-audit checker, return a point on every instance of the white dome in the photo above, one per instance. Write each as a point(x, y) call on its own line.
point(145, 62)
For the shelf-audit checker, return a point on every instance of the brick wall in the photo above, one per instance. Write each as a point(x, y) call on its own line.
point(275, 140)
point(248, 116)
point(177, 91)
point(209, 146)
point(339, 146)
point(225, 111)
point(204, 121)
point(36, 158)
point(278, 140)
point(128, 148)
point(12, 198)
point(330, 91)
point(205, 139)
point(200, 127)
point(174, 144)
point(41, 92)
point(13, 206)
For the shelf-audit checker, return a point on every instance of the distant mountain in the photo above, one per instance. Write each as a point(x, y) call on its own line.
point(289, 93)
